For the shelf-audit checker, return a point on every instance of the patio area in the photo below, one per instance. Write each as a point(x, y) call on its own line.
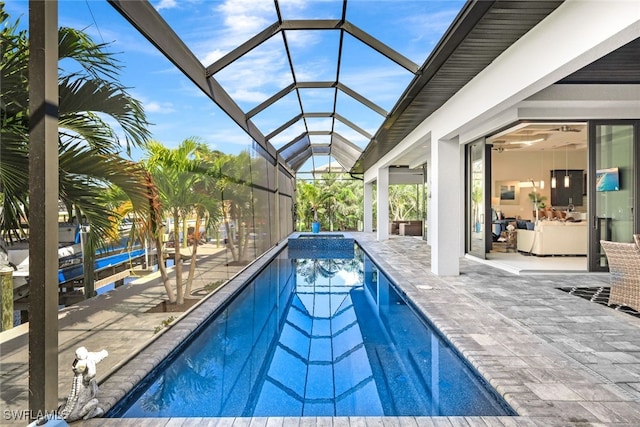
point(558, 359)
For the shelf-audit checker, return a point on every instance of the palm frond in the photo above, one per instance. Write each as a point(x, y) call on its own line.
point(85, 176)
point(86, 98)
point(93, 57)
point(14, 182)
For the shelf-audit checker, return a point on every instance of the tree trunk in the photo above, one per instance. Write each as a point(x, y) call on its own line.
point(241, 239)
point(163, 270)
point(176, 258)
point(185, 233)
point(230, 242)
point(88, 257)
point(192, 266)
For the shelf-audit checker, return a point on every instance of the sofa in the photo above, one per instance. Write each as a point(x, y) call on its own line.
point(406, 228)
point(554, 238)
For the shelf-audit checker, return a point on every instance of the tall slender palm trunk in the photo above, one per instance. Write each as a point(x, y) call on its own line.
point(177, 259)
point(192, 265)
point(163, 270)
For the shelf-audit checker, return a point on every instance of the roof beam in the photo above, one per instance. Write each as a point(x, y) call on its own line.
point(381, 48)
point(344, 151)
point(311, 24)
point(284, 126)
point(150, 24)
point(347, 90)
point(270, 101)
point(321, 149)
point(316, 85)
point(243, 49)
point(355, 95)
point(294, 141)
point(317, 115)
point(296, 162)
point(329, 115)
point(353, 126)
point(336, 137)
point(364, 37)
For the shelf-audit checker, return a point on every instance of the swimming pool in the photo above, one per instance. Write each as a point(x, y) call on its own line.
point(314, 337)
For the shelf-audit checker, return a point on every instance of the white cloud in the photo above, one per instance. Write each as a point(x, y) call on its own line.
point(430, 26)
point(166, 4)
point(159, 107)
point(287, 135)
point(243, 19)
point(212, 56)
point(225, 137)
point(256, 76)
point(242, 94)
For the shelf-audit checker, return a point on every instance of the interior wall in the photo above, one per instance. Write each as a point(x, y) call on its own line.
point(519, 166)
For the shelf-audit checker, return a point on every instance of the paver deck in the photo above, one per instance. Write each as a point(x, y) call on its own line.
point(558, 360)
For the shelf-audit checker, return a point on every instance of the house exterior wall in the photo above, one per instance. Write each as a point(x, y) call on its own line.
point(575, 35)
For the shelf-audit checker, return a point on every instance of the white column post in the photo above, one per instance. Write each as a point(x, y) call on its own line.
point(368, 207)
point(383, 203)
point(430, 223)
point(445, 210)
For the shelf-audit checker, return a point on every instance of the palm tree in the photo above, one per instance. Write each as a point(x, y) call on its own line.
point(176, 173)
point(236, 200)
point(208, 204)
point(403, 202)
point(310, 198)
point(147, 225)
point(349, 201)
point(88, 144)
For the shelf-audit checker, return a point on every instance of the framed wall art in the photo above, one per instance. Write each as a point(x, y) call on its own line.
point(508, 192)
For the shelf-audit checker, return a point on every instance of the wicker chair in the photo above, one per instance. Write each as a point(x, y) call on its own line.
point(624, 266)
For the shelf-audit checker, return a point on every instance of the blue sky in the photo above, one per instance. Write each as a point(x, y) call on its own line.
point(212, 28)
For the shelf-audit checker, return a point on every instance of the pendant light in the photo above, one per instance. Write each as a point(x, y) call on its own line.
point(566, 165)
point(553, 169)
point(542, 169)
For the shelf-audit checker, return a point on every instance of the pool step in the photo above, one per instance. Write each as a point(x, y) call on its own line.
point(407, 397)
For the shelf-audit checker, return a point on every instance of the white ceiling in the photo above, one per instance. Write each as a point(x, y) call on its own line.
point(541, 136)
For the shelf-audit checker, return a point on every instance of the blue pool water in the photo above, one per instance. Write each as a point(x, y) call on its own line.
point(314, 337)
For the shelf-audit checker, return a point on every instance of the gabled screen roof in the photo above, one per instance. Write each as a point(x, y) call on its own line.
point(335, 79)
point(314, 80)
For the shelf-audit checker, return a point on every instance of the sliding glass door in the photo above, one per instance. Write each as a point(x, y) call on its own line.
point(425, 200)
point(613, 160)
point(478, 212)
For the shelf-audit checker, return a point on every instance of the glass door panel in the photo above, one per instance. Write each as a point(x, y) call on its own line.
point(425, 200)
point(478, 219)
point(613, 183)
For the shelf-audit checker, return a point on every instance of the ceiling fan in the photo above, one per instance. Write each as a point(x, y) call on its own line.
point(565, 128)
point(502, 145)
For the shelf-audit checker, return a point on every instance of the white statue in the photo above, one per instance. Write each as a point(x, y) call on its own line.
point(81, 402)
